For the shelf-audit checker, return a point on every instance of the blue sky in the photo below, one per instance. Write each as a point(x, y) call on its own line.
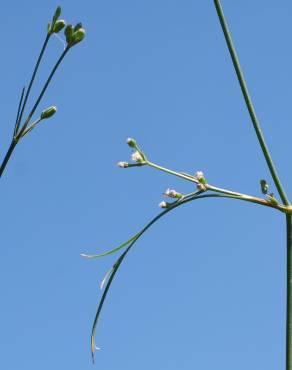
point(205, 288)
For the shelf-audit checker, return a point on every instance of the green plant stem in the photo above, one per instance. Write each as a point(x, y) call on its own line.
point(174, 173)
point(21, 108)
point(16, 126)
point(8, 155)
point(233, 194)
point(120, 260)
point(44, 89)
point(31, 82)
point(247, 198)
point(289, 294)
point(249, 103)
point(16, 138)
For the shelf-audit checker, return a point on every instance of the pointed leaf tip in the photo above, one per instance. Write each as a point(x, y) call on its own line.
point(106, 277)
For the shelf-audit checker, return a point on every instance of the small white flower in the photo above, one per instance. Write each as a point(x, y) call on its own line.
point(123, 164)
point(171, 193)
point(199, 175)
point(137, 157)
point(163, 204)
point(97, 348)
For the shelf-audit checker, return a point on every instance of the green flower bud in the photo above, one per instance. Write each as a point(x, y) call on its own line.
point(77, 27)
point(57, 14)
point(78, 36)
point(49, 112)
point(131, 142)
point(59, 25)
point(264, 186)
point(69, 33)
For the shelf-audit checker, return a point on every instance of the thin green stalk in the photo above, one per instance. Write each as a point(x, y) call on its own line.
point(232, 194)
point(120, 260)
point(249, 103)
point(15, 139)
point(21, 108)
point(44, 88)
point(181, 175)
point(32, 80)
point(289, 294)
point(16, 126)
point(7, 156)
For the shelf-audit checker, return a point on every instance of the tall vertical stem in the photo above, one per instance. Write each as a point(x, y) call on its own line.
point(273, 172)
point(249, 103)
point(289, 294)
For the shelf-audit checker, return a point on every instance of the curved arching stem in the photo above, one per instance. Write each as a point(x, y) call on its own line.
point(111, 274)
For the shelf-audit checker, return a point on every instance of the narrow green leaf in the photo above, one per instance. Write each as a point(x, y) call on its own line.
point(111, 274)
point(111, 251)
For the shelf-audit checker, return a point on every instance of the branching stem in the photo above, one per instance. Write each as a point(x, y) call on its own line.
point(18, 133)
point(235, 195)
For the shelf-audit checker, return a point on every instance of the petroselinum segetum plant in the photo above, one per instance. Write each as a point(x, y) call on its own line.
point(24, 123)
point(204, 189)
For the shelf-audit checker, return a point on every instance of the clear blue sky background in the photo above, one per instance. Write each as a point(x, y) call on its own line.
point(205, 288)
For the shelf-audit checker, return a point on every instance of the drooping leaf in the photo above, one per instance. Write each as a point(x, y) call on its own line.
point(111, 251)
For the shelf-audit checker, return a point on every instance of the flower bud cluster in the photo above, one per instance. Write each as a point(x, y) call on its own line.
point(73, 34)
point(57, 24)
point(137, 156)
